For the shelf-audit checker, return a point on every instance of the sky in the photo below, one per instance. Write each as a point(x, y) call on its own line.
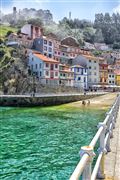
point(82, 9)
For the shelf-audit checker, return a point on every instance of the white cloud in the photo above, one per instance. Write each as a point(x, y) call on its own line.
point(117, 9)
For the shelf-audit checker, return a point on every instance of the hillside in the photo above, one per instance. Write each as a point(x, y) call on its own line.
point(4, 29)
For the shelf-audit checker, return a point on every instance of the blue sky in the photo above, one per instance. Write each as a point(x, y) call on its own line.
point(83, 9)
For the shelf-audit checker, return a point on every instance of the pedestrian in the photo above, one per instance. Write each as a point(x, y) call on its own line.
point(83, 103)
point(88, 103)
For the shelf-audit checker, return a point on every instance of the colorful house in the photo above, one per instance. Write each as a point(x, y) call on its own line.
point(46, 69)
point(44, 45)
point(32, 31)
point(80, 76)
point(111, 76)
point(117, 78)
point(66, 75)
point(103, 69)
point(92, 64)
point(21, 38)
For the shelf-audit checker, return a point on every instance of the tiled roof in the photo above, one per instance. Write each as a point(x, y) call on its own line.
point(77, 66)
point(67, 71)
point(93, 57)
point(44, 58)
point(117, 71)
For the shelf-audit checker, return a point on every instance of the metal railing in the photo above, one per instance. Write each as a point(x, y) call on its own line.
point(104, 133)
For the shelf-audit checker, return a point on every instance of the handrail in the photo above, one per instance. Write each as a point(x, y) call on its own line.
point(80, 167)
point(96, 137)
point(96, 167)
point(103, 134)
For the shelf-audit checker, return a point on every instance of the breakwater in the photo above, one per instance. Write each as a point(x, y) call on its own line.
point(44, 100)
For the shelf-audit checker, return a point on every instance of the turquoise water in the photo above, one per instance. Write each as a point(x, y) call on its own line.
point(44, 143)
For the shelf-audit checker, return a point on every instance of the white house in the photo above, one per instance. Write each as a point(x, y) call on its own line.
point(92, 64)
point(80, 76)
point(32, 31)
point(46, 69)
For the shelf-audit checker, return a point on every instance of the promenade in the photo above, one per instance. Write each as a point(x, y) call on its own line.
point(112, 159)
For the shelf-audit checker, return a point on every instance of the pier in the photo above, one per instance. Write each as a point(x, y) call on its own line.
point(45, 99)
point(107, 165)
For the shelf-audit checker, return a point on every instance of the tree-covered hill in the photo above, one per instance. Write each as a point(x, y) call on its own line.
point(5, 29)
point(105, 28)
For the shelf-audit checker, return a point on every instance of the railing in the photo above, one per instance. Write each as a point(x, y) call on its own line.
point(104, 133)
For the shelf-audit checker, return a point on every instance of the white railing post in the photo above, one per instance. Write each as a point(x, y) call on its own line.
point(100, 173)
point(86, 175)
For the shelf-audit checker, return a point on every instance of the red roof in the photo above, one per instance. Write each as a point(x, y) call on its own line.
point(44, 58)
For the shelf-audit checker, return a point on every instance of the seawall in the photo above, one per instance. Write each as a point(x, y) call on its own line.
point(43, 100)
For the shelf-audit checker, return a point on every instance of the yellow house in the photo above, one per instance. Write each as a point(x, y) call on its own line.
point(117, 72)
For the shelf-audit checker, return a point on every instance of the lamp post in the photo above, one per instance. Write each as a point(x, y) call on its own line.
point(33, 84)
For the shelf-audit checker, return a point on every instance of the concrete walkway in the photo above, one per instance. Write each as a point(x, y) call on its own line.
point(112, 159)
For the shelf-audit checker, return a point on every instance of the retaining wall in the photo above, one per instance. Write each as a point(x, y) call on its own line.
point(43, 100)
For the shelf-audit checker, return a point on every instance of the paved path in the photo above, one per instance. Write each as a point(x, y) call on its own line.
point(58, 94)
point(112, 159)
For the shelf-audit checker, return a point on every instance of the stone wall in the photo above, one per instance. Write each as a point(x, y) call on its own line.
point(42, 101)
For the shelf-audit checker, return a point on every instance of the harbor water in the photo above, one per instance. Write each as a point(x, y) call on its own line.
point(43, 143)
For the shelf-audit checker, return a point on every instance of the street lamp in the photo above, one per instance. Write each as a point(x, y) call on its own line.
point(33, 84)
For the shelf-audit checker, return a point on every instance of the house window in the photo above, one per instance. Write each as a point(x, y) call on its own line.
point(82, 71)
point(40, 66)
point(113, 76)
point(56, 66)
point(113, 82)
point(32, 59)
point(50, 49)
point(95, 67)
point(45, 48)
point(58, 53)
point(55, 52)
point(95, 73)
point(110, 82)
point(50, 43)
point(84, 79)
point(79, 78)
point(94, 61)
point(36, 66)
point(39, 42)
point(56, 73)
point(40, 73)
point(90, 61)
point(45, 41)
point(32, 66)
point(109, 75)
point(50, 55)
point(47, 73)
point(95, 80)
point(47, 65)
point(89, 67)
